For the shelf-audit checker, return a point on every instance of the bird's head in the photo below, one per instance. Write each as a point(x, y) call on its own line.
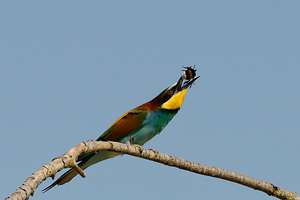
point(172, 97)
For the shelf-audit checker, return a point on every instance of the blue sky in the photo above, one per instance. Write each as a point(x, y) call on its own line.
point(69, 69)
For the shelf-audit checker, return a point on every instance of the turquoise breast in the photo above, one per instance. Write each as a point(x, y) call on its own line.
point(153, 124)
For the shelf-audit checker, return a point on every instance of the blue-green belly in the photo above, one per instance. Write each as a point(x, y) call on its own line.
point(153, 124)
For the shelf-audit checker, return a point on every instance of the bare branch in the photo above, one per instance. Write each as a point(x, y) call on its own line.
point(69, 158)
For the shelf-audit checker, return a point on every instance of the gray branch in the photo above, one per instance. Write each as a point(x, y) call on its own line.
point(69, 158)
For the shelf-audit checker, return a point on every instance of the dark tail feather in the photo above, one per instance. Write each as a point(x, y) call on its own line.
point(49, 187)
point(66, 177)
point(85, 163)
point(69, 175)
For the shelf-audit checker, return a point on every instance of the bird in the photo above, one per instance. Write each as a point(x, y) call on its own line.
point(137, 126)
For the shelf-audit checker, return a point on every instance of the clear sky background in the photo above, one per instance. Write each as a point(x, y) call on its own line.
point(69, 69)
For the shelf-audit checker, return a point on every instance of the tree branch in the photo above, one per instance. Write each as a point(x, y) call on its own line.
point(69, 158)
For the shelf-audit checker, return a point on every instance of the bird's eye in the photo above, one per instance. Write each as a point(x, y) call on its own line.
point(170, 92)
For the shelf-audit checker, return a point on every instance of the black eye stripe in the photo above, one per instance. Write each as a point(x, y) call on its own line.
point(167, 95)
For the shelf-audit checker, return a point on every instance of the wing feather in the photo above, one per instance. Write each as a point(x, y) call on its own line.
point(126, 124)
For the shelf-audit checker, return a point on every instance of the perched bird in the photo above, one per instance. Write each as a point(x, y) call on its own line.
point(137, 126)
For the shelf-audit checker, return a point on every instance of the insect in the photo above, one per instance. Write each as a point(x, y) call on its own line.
point(189, 73)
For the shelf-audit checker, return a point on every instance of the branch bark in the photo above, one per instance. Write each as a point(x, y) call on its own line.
point(69, 158)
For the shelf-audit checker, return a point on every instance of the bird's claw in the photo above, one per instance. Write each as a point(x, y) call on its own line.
point(154, 151)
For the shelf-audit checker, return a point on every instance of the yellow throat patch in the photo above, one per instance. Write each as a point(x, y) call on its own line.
point(176, 101)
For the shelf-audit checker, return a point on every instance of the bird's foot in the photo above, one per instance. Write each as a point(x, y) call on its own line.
point(154, 151)
point(139, 147)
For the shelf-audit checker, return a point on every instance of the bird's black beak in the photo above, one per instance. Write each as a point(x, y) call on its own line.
point(189, 83)
point(185, 85)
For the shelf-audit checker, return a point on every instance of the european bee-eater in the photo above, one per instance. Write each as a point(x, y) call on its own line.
point(137, 126)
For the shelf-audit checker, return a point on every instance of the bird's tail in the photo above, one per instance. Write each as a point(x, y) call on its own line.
point(66, 177)
point(85, 163)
